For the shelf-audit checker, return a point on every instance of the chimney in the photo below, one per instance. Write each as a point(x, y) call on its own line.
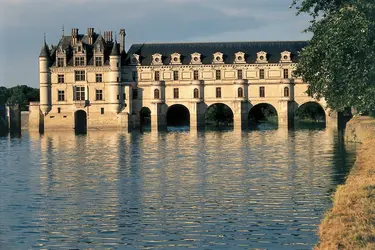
point(122, 40)
point(74, 36)
point(108, 36)
point(90, 34)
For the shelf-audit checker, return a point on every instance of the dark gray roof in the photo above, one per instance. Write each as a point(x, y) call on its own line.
point(45, 51)
point(273, 49)
point(115, 50)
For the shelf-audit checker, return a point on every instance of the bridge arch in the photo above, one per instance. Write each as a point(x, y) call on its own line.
point(263, 113)
point(178, 115)
point(219, 115)
point(145, 117)
point(80, 122)
point(310, 112)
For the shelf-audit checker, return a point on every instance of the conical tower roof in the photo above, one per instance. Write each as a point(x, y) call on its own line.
point(45, 51)
point(115, 51)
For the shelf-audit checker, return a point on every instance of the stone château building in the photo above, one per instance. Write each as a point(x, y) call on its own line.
point(92, 82)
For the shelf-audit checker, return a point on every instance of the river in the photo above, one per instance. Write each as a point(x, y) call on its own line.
point(206, 190)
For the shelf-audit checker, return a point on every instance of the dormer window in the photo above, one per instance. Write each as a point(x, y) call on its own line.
point(79, 48)
point(195, 58)
point(60, 62)
point(156, 59)
point(239, 57)
point(175, 58)
point(98, 61)
point(134, 60)
point(262, 57)
point(285, 56)
point(218, 57)
point(79, 61)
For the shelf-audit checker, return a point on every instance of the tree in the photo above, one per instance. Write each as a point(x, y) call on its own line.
point(339, 62)
point(20, 94)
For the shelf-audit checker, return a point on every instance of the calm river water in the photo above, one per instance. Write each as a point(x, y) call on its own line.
point(206, 190)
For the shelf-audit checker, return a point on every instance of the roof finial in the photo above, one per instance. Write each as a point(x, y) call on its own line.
point(63, 31)
point(115, 37)
point(44, 37)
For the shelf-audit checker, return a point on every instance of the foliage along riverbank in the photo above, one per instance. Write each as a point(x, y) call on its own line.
point(351, 222)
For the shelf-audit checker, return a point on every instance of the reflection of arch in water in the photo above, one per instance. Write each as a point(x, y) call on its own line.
point(178, 116)
point(263, 113)
point(80, 122)
point(219, 114)
point(145, 117)
point(311, 112)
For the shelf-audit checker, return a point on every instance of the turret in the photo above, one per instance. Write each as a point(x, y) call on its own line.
point(115, 78)
point(44, 79)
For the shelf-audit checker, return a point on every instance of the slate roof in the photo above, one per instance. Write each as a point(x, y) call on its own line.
point(273, 49)
point(44, 51)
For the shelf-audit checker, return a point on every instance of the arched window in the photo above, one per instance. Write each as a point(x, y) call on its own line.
point(286, 92)
point(196, 93)
point(156, 94)
point(240, 92)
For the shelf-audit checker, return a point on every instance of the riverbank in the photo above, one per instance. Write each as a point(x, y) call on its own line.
point(350, 224)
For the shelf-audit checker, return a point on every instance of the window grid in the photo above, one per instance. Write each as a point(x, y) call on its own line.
point(99, 95)
point(261, 73)
point(98, 61)
point(60, 62)
point(156, 94)
point(262, 92)
point(175, 75)
point(218, 74)
point(218, 92)
point(80, 75)
point(79, 61)
point(196, 75)
point(60, 78)
point(196, 93)
point(239, 74)
point(176, 93)
point(80, 93)
point(60, 95)
point(286, 73)
point(99, 77)
point(157, 76)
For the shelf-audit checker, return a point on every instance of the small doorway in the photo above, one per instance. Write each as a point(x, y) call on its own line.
point(80, 122)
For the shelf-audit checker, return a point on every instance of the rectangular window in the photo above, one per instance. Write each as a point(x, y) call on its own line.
point(61, 95)
point(134, 75)
point(60, 78)
point(79, 75)
point(60, 62)
point(218, 92)
point(218, 74)
point(157, 76)
point(175, 75)
point(80, 93)
point(102, 111)
point(98, 61)
point(59, 110)
point(239, 74)
point(99, 77)
point(79, 61)
point(99, 95)
point(135, 94)
point(262, 92)
point(123, 96)
point(261, 73)
point(175, 93)
point(286, 73)
point(118, 97)
point(196, 75)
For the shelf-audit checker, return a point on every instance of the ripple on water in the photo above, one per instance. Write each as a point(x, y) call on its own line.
point(214, 190)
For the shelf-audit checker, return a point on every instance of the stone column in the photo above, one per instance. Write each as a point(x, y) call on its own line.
point(285, 114)
point(158, 117)
point(331, 118)
point(240, 115)
point(197, 112)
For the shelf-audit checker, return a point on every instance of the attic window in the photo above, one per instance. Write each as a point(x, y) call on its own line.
point(175, 59)
point(285, 57)
point(157, 59)
point(239, 58)
point(218, 58)
point(196, 59)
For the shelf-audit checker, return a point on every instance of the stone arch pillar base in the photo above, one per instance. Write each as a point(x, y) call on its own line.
point(240, 115)
point(158, 117)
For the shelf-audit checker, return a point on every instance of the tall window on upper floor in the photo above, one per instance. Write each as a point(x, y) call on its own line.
point(98, 61)
point(218, 92)
point(60, 62)
point(261, 74)
point(240, 92)
point(262, 92)
point(218, 74)
point(99, 77)
point(175, 75)
point(156, 94)
point(176, 93)
point(239, 74)
point(79, 93)
point(79, 61)
point(60, 95)
point(286, 73)
point(79, 75)
point(60, 79)
point(286, 92)
point(157, 76)
point(196, 75)
point(196, 93)
point(98, 94)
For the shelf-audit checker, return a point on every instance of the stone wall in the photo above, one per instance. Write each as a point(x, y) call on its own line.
point(25, 120)
point(360, 129)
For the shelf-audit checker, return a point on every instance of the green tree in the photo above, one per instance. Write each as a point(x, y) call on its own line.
point(4, 95)
point(339, 62)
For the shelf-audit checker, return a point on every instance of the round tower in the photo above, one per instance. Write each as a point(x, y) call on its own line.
point(44, 79)
point(114, 79)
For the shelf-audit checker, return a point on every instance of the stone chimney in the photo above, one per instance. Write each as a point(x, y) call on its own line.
point(122, 40)
point(90, 34)
point(74, 36)
point(108, 36)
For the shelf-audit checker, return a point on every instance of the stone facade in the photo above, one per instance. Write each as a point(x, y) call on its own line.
point(95, 74)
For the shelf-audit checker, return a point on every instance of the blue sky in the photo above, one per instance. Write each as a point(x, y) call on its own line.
point(23, 23)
